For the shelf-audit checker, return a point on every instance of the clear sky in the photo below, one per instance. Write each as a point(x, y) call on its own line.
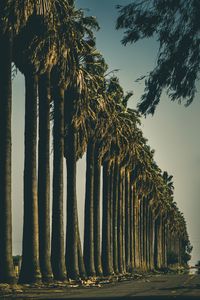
point(173, 131)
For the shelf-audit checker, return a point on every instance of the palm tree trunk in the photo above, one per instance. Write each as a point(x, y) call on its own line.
point(136, 230)
point(141, 233)
point(82, 270)
point(6, 263)
point(72, 212)
point(158, 242)
point(89, 212)
point(44, 177)
point(120, 224)
point(151, 245)
point(30, 269)
point(115, 216)
point(57, 243)
point(111, 208)
point(106, 224)
point(132, 229)
point(123, 223)
point(164, 242)
point(127, 220)
point(145, 208)
point(161, 242)
point(139, 220)
point(148, 248)
point(97, 230)
point(156, 237)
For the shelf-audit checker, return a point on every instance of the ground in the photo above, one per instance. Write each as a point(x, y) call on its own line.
point(160, 286)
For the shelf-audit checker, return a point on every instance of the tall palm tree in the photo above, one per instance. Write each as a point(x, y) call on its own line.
point(44, 93)
point(30, 270)
point(60, 80)
point(13, 16)
point(95, 147)
point(76, 115)
point(34, 54)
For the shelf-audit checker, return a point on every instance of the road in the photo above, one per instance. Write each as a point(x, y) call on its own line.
point(153, 287)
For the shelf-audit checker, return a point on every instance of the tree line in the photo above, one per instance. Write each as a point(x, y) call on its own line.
point(67, 85)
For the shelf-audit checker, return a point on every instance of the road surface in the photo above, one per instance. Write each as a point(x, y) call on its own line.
point(152, 287)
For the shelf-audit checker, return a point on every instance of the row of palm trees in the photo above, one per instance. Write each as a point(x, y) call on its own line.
point(67, 84)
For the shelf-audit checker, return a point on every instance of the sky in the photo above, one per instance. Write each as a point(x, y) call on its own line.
point(173, 131)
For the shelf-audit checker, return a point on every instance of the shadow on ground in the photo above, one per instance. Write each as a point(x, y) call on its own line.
point(190, 288)
point(125, 298)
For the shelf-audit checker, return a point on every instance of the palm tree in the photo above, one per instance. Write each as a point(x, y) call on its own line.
point(13, 16)
point(34, 60)
point(30, 270)
point(76, 114)
point(97, 128)
point(60, 80)
point(68, 70)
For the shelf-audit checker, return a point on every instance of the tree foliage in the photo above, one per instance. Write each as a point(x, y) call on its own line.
point(176, 26)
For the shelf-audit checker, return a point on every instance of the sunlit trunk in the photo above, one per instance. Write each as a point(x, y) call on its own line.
point(123, 223)
point(97, 202)
point(127, 220)
point(144, 266)
point(111, 208)
point(120, 224)
point(89, 212)
point(132, 229)
point(30, 269)
point(136, 231)
point(81, 264)
point(141, 233)
point(44, 177)
point(151, 239)
point(164, 243)
point(57, 244)
point(6, 263)
point(148, 234)
point(158, 242)
point(71, 255)
point(115, 216)
point(106, 224)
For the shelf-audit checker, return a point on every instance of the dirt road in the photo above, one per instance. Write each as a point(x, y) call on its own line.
point(152, 287)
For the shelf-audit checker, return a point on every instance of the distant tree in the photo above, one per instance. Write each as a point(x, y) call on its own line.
point(172, 258)
point(198, 263)
point(176, 26)
point(185, 257)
